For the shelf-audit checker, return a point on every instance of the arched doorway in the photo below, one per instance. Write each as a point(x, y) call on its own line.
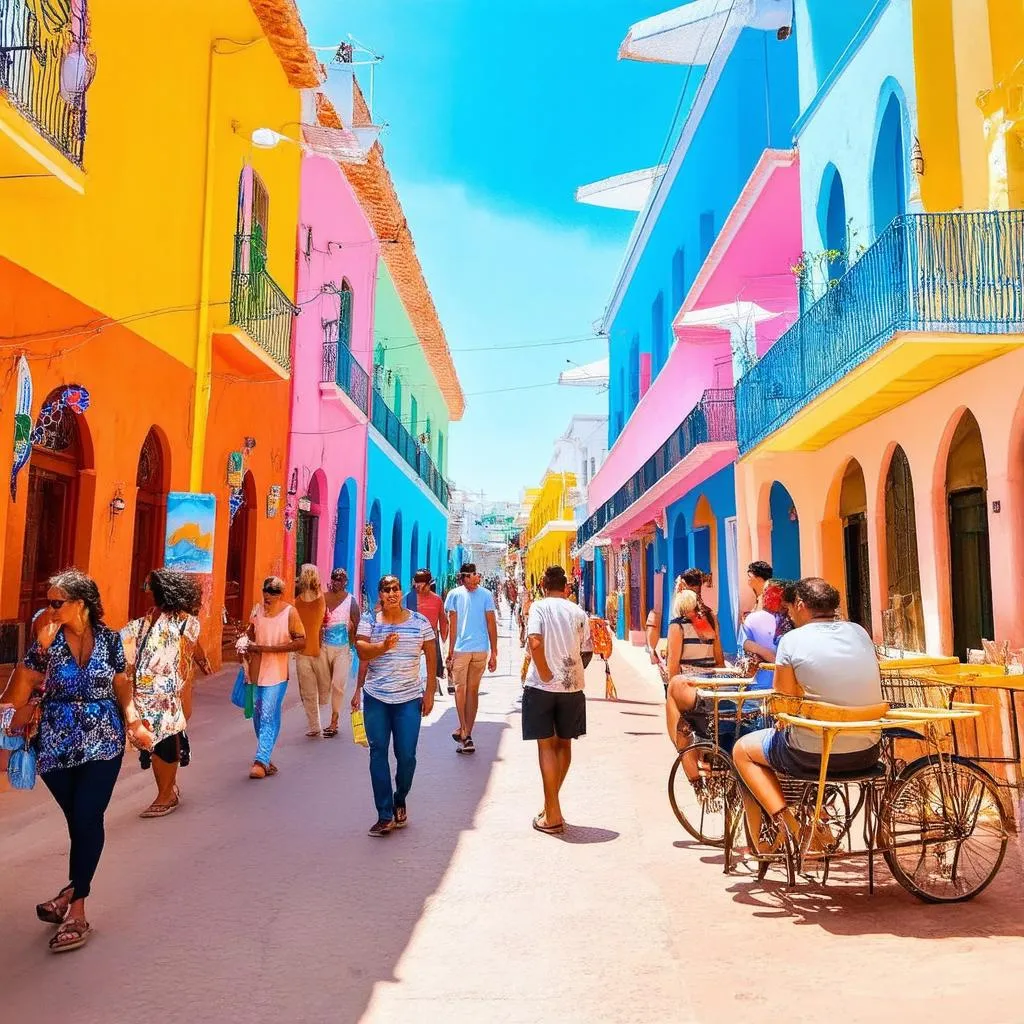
point(969, 560)
point(888, 166)
point(371, 566)
point(414, 549)
point(151, 479)
point(649, 567)
point(344, 539)
point(853, 509)
point(238, 581)
point(832, 217)
point(396, 545)
point(903, 620)
point(307, 523)
point(785, 533)
point(705, 548)
point(60, 451)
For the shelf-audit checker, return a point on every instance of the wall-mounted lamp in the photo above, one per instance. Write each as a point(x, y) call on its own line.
point(917, 157)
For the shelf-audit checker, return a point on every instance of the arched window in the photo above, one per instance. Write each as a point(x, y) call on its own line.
point(413, 416)
point(440, 452)
point(832, 219)
point(659, 349)
point(398, 396)
point(889, 165)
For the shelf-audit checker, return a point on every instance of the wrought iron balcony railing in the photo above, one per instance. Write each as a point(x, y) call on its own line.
point(955, 272)
point(258, 304)
point(33, 58)
point(713, 418)
point(341, 367)
point(409, 448)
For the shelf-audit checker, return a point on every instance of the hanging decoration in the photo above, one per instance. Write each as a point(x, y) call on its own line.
point(52, 429)
point(236, 501)
point(273, 501)
point(293, 484)
point(22, 424)
point(369, 542)
point(235, 469)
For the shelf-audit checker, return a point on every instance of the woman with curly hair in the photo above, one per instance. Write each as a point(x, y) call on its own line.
point(162, 649)
point(71, 693)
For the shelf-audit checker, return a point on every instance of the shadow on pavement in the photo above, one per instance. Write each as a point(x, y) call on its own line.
point(258, 900)
point(584, 834)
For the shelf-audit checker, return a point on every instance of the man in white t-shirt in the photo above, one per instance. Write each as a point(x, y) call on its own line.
point(554, 705)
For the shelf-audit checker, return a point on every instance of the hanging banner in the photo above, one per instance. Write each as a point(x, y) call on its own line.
point(22, 424)
point(191, 521)
point(273, 501)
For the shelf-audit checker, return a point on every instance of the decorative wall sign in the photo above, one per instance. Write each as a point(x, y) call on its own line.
point(273, 501)
point(191, 521)
point(22, 424)
point(236, 469)
point(305, 504)
point(369, 542)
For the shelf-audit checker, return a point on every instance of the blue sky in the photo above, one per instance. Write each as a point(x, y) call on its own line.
point(496, 113)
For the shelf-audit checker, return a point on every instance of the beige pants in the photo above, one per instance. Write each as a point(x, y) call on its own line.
point(339, 665)
point(468, 668)
point(314, 686)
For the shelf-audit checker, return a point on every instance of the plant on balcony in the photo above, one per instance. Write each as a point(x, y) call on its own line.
point(816, 270)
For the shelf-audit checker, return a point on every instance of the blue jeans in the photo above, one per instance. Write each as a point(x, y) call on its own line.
point(384, 721)
point(266, 719)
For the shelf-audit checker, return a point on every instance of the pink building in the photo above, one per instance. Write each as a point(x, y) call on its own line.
point(331, 367)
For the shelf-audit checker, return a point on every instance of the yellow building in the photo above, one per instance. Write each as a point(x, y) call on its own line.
point(148, 261)
point(551, 528)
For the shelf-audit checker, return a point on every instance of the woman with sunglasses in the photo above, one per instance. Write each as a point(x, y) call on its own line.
point(275, 630)
point(74, 698)
point(390, 643)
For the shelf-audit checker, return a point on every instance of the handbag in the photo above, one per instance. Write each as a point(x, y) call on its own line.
point(21, 768)
point(238, 690)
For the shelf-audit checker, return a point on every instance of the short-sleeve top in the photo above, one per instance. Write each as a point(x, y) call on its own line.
point(395, 677)
point(80, 719)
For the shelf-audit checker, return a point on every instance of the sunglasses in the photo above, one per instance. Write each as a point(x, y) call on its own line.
point(57, 603)
point(273, 591)
point(391, 589)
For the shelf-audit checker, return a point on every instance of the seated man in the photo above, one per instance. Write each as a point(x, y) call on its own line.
point(823, 659)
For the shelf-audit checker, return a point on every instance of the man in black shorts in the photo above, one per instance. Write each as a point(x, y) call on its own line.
point(554, 705)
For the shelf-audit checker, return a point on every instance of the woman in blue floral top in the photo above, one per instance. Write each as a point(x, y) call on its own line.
point(72, 688)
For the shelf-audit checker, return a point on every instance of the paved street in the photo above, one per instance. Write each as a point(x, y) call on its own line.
point(266, 902)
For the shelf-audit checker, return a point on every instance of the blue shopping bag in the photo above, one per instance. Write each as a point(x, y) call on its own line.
point(21, 768)
point(238, 690)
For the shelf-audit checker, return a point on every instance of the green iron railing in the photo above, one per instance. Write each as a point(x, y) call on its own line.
point(341, 367)
point(258, 304)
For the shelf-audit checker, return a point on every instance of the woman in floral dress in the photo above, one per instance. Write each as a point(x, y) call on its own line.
point(161, 650)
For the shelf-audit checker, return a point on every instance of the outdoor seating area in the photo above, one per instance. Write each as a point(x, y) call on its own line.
point(937, 808)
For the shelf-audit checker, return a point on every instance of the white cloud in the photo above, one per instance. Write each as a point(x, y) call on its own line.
point(501, 279)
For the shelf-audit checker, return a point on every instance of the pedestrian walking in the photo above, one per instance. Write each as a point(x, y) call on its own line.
point(423, 599)
point(554, 704)
point(390, 644)
point(275, 630)
point(162, 650)
point(311, 661)
point(472, 630)
point(340, 622)
point(71, 692)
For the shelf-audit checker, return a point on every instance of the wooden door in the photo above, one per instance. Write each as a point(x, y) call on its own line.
point(49, 528)
point(970, 570)
point(858, 574)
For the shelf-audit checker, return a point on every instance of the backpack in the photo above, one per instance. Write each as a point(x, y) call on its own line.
point(601, 637)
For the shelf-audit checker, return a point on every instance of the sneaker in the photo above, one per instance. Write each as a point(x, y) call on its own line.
point(381, 829)
point(451, 690)
point(467, 746)
point(401, 817)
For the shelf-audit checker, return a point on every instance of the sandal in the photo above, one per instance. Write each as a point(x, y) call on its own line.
point(548, 830)
point(257, 771)
point(155, 810)
point(56, 910)
point(81, 930)
point(313, 735)
point(271, 768)
point(330, 732)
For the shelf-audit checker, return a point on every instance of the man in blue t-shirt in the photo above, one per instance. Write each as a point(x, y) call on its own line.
point(472, 631)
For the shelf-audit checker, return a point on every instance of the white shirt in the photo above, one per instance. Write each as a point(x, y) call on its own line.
point(834, 662)
point(565, 629)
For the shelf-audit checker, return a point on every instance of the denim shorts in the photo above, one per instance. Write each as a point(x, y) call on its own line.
point(785, 759)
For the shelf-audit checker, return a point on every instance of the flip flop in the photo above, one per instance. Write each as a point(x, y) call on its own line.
point(160, 810)
point(330, 732)
point(548, 830)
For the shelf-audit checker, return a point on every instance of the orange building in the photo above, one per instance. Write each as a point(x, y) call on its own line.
point(147, 282)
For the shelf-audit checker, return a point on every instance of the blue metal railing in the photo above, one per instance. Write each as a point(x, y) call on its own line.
point(713, 418)
point(341, 367)
point(957, 272)
point(409, 448)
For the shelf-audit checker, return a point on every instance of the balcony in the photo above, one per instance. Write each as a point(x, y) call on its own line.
point(935, 295)
point(669, 472)
point(259, 305)
point(341, 368)
point(408, 448)
point(45, 69)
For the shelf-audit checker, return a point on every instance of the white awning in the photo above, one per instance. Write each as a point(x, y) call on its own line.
point(590, 375)
point(730, 315)
point(628, 191)
point(691, 33)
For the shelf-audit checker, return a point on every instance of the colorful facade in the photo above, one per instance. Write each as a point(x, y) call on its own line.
point(551, 526)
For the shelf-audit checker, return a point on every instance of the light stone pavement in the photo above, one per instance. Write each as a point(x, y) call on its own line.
point(262, 902)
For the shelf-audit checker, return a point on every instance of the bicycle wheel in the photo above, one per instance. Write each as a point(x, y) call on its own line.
point(701, 804)
point(942, 830)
